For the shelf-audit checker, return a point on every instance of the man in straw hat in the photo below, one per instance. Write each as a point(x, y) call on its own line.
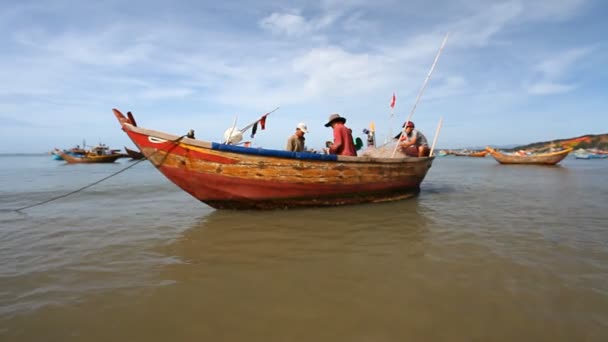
point(343, 138)
point(296, 142)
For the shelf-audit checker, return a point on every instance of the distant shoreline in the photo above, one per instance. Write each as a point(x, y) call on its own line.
point(587, 141)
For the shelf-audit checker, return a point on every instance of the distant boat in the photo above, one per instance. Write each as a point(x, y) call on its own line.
point(74, 151)
point(98, 154)
point(133, 154)
point(539, 159)
point(56, 156)
point(590, 156)
point(479, 154)
point(235, 177)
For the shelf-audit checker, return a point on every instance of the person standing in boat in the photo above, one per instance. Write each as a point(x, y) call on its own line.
point(412, 142)
point(343, 137)
point(296, 142)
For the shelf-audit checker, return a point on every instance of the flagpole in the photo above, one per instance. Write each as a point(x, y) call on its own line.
point(390, 124)
point(421, 91)
point(390, 121)
point(436, 135)
point(244, 129)
point(256, 121)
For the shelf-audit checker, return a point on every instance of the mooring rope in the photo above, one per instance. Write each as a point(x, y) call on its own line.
point(79, 189)
point(98, 181)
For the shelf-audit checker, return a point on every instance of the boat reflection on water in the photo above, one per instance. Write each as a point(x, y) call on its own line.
point(258, 268)
point(251, 238)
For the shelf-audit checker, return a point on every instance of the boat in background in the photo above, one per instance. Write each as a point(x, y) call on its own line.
point(551, 158)
point(478, 154)
point(74, 151)
point(135, 155)
point(226, 176)
point(590, 156)
point(56, 156)
point(98, 154)
point(582, 153)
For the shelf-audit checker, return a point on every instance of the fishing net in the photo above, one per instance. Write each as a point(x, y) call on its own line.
point(384, 151)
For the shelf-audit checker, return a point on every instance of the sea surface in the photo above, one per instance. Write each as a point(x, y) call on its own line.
point(486, 252)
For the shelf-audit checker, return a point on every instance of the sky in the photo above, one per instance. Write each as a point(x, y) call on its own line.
point(511, 72)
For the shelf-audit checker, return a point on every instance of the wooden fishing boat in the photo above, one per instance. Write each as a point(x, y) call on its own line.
point(98, 154)
point(479, 154)
point(136, 155)
point(539, 159)
point(236, 177)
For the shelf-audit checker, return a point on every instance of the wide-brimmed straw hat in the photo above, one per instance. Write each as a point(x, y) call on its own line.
point(334, 117)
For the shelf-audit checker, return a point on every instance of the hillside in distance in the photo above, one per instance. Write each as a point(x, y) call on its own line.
point(589, 141)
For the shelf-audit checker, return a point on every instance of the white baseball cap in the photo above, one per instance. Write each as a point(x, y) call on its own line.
point(302, 127)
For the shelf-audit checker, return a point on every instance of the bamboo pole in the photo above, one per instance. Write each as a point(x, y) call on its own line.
point(421, 91)
point(256, 121)
point(436, 136)
point(390, 124)
point(244, 129)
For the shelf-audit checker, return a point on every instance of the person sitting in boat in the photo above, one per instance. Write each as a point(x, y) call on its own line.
point(412, 142)
point(296, 142)
point(343, 137)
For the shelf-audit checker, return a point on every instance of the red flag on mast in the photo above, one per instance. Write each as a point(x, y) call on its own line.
point(263, 121)
point(393, 101)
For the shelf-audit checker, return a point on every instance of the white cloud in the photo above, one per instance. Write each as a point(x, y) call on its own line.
point(548, 88)
point(559, 63)
point(481, 27)
point(294, 24)
point(289, 24)
point(333, 70)
point(553, 69)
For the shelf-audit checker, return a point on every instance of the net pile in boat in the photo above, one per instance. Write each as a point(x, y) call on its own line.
point(384, 151)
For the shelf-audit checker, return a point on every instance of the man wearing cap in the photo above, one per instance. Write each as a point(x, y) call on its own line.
point(343, 138)
point(412, 142)
point(295, 143)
